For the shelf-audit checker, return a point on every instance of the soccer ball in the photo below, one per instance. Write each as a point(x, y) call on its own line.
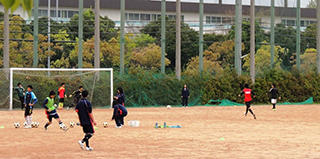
point(105, 124)
point(168, 106)
point(25, 124)
point(16, 125)
point(72, 124)
point(35, 124)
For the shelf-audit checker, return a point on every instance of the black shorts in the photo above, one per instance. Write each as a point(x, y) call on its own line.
point(61, 100)
point(248, 104)
point(28, 111)
point(56, 116)
point(88, 129)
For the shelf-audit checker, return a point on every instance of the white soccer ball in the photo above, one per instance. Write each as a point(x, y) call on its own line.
point(16, 125)
point(35, 124)
point(168, 106)
point(105, 124)
point(55, 105)
point(25, 124)
point(72, 124)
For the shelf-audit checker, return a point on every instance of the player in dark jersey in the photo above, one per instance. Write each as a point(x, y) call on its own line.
point(248, 93)
point(120, 96)
point(30, 100)
point(76, 96)
point(274, 94)
point(119, 112)
point(84, 110)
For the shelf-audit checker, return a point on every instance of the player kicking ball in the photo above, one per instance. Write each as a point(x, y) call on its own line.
point(51, 111)
point(84, 110)
point(248, 93)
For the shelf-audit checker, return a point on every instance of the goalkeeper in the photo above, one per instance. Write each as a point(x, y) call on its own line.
point(51, 111)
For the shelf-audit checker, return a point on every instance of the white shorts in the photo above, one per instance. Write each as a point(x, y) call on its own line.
point(274, 101)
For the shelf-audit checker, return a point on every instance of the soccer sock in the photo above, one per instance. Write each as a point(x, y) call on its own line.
point(251, 112)
point(47, 124)
point(86, 139)
point(247, 110)
point(29, 120)
point(274, 106)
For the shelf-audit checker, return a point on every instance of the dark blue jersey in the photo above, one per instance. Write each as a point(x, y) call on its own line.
point(121, 98)
point(30, 98)
point(119, 110)
point(84, 108)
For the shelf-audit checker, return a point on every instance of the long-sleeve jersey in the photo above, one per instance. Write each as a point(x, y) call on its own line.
point(185, 92)
point(121, 98)
point(30, 98)
point(274, 93)
point(20, 91)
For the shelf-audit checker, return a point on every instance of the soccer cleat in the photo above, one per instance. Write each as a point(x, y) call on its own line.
point(81, 144)
point(274, 109)
point(254, 116)
point(118, 127)
point(27, 127)
point(63, 127)
point(45, 127)
point(89, 148)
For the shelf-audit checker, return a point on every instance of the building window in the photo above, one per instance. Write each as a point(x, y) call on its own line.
point(226, 20)
point(145, 17)
point(134, 17)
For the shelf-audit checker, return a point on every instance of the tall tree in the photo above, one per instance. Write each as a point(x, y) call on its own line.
point(189, 48)
point(107, 26)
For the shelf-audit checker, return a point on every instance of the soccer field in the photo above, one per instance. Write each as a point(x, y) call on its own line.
point(207, 132)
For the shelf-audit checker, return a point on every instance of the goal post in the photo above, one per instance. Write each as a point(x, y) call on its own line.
point(98, 81)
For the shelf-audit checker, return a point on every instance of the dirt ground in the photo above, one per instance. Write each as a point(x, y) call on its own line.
point(207, 132)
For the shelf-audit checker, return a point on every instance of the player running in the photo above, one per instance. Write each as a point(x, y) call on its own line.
point(84, 110)
point(274, 94)
point(248, 93)
point(61, 93)
point(119, 112)
point(30, 100)
point(51, 111)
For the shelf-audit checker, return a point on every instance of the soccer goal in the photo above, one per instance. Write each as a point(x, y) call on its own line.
point(99, 83)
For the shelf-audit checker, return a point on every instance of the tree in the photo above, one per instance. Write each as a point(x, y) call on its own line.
point(285, 37)
point(219, 56)
point(148, 57)
point(260, 36)
point(308, 60)
point(15, 4)
point(312, 4)
point(309, 39)
point(109, 50)
point(107, 26)
point(209, 39)
point(189, 44)
point(263, 59)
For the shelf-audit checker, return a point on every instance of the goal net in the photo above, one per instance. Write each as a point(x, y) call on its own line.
point(98, 82)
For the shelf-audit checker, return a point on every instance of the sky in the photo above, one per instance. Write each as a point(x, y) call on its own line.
point(291, 3)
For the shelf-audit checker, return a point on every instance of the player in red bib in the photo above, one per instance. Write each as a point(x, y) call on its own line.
point(248, 93)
